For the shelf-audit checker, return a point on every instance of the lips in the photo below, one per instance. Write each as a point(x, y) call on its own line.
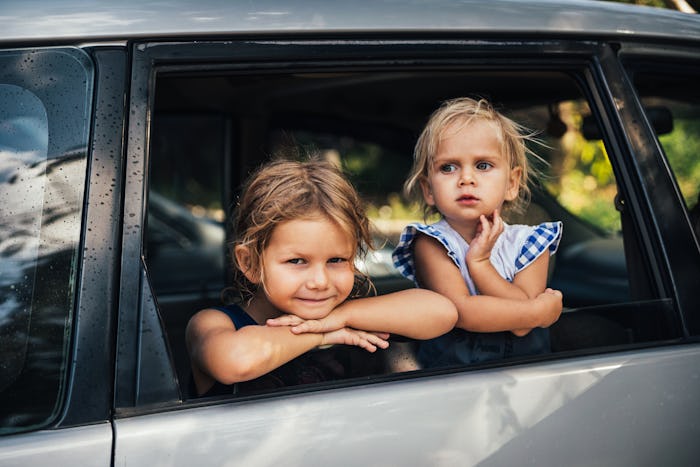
point(313, 301)
point(467, 199)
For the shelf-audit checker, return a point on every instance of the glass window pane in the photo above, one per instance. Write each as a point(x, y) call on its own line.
point(672, 104)
point(44, 122)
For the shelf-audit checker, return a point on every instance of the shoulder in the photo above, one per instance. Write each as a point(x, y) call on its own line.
point(206, 320)
point(528, 242)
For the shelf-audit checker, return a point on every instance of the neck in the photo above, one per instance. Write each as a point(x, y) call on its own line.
point(260, 308)
point(466, 230)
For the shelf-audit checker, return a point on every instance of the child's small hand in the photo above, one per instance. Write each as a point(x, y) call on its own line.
point(369, 341)
point(486, 235)
point(298, 325)
point(284, 320)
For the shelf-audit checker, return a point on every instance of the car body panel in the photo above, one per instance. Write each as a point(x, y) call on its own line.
point(87, 446)
point(21, 20)
point(584, 411)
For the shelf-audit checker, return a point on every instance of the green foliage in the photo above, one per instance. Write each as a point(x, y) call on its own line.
point(682, 147)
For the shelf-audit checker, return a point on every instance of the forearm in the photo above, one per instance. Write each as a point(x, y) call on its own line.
point(256, 351)
point(489, 282)
point(414, 313)
point(482, 313)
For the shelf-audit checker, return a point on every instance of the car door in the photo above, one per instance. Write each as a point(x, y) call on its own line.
point(621, 378)
point(55, 318)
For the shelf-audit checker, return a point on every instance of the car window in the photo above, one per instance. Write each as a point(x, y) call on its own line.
point(44, 115)
point(671, 99)
point(367, 121)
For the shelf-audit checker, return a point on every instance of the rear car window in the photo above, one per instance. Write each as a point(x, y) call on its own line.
point(671, 99)
point(44, 116)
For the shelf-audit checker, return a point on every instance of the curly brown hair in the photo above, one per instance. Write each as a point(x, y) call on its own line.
point(284, 190)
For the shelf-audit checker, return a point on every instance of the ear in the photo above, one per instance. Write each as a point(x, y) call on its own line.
point(427, 192)
point(514, 184)
point(244, 259)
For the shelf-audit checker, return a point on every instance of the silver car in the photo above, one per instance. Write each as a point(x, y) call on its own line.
point(127, 127)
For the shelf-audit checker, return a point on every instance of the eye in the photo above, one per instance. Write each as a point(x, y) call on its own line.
point(448, 168)
point(483, 165)
point(296, 261)
point(337, 260)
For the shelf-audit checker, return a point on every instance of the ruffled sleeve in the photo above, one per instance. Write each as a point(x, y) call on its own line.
point(403, 253)
point(544, 237)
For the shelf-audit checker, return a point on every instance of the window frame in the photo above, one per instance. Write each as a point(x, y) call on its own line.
point(677, 238)
point(595, 61)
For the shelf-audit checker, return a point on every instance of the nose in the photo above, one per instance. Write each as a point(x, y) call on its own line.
point(318, 277)
point(466, 177)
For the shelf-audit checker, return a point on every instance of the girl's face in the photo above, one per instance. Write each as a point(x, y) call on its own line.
point(308, 267)
point(470, 175)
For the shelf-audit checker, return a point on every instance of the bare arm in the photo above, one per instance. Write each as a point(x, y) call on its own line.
point(220, 352)
point(528, 283)
point(414, 313)
point(480, 313)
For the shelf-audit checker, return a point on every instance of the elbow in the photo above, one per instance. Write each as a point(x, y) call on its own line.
point(243, 365)
point(447, 316)
point(442, 318)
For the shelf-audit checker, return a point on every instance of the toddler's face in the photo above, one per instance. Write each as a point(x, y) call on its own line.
point(470, 175)
point(308, 267)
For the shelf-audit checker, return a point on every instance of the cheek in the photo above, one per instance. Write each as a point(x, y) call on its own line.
point(345, 282)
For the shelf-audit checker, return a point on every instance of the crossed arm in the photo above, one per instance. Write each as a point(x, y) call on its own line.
point(220, 352)
point(414, 313)
point(515, 311)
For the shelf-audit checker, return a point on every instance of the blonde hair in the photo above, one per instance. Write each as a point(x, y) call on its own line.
point(466, 110)
point(284, 190)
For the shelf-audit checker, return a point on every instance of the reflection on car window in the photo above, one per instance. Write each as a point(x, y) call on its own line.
point(42, 174)
point(672, 104)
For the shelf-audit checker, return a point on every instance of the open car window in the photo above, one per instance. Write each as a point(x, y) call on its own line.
point(210, 128)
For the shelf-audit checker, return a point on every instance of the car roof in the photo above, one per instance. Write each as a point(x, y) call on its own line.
point(99, 20)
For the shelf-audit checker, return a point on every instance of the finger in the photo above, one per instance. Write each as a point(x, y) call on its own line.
point(485, 226)
point(497, 223)
point(308, 326)
point(375, 339)
point(286, 320)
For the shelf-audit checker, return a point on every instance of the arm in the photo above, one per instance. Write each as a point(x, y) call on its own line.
point(414, 313)
point(220, 352)
point(480, 313)
point(528, 283)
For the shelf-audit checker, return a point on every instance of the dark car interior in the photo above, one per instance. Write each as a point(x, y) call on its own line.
point(210, 128)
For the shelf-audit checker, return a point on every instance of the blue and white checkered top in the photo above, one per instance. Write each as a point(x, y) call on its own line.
point(516, 248)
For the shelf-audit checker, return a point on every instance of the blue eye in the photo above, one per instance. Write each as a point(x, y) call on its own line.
point(337, 260)
point(483, 165)
point(296, 261)
point(448, 168)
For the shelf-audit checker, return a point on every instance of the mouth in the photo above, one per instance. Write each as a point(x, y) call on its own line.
point(467, 199)
point(314, 301)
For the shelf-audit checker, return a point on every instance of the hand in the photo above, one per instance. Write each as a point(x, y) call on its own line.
point(363, 339)
point(284, 320)
point(332, 322)
point(487, 232)
point(549, 305)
